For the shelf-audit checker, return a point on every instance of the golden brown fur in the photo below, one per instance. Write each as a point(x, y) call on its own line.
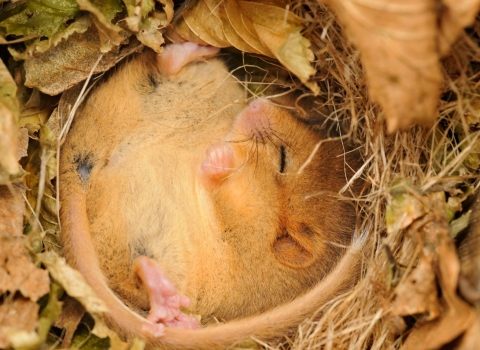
point(132, 185)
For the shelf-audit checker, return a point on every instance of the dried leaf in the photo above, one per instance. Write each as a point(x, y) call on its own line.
point(102, 14)
point(11, 211)
point(237, 22)
point(454, 16)
point(417, 295)
point(18, 321)
point(205, 25)
point(41, 17)
point(74, 284)
point(292, 51)
point(9, 166)
point(263, 27)
point(20, 279)
point(69, 319)
point(149, 34)
point(398, 44)
point(71, 61)
point(168, 8)
point(22, 143)
point(457, 316)
point(17, 273)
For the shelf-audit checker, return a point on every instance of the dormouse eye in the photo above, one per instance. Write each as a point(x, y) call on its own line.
point(283, 158)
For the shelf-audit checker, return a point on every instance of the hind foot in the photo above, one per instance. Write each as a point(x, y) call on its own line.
point(165, 302)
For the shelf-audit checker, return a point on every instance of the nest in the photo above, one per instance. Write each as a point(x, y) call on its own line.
point(421, 166)
point(417, 185)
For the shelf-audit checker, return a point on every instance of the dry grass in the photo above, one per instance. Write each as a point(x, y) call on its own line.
point(429, 158)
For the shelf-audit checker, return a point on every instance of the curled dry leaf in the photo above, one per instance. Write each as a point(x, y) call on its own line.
point(71, 62)
point(263, 27)
point(401, 43)
point(398, 44)
point(74, 284)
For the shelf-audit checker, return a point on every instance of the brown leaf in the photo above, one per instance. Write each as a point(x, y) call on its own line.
point(22, 143)
point(454, 16)
point(457, 316)
point(262, 27)
point(20, 314)
point(71, 62)
point(74, 284)
point(231, 34)
point(418, 293)
point(398, 44)
point(239, 24)
point(17, 273)
point(69, 319)
point(205, 24)
point(168, 8)
point(11, 211)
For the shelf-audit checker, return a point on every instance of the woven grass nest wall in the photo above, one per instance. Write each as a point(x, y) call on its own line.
point(401, 77)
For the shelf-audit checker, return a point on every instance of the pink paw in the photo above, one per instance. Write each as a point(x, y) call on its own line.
point(219, 162)
point(165, 302)
point(177, 56)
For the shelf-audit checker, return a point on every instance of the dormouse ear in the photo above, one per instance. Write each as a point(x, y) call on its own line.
point(177, 56)
point(293, 252)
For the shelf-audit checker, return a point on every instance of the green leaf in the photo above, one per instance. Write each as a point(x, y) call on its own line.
point(109, 8)
point(403, 207)
point(79, 26)
point(42, 17)
point(48, 315)
point(460, 224)
point(85, 340)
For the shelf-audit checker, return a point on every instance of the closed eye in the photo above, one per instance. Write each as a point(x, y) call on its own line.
point(283, 157)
